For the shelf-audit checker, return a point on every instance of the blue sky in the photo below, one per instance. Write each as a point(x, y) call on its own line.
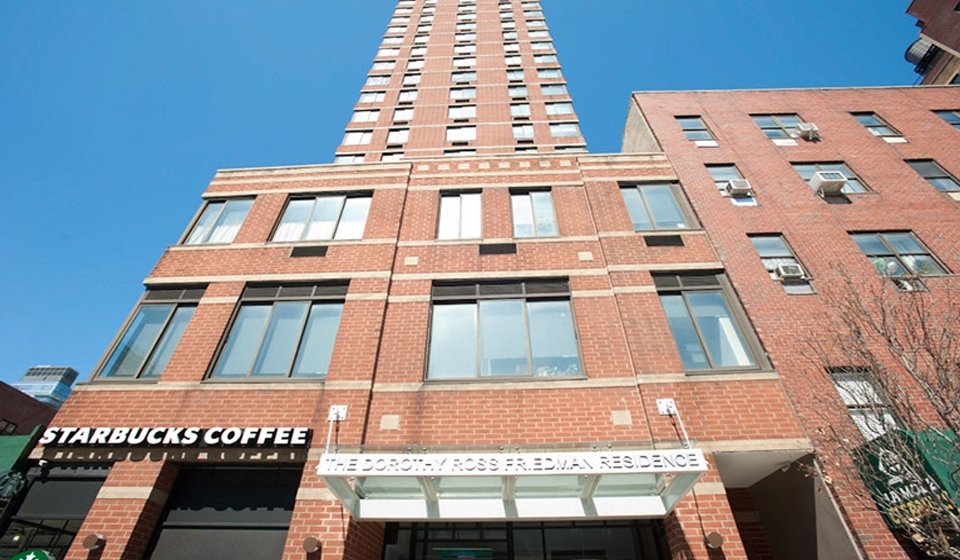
point(115, 115)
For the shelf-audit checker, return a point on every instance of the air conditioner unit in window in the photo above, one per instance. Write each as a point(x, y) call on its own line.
point(828, 183)
point(738, 188)
point(909, 284)
point(789, 271)
point(808, 131)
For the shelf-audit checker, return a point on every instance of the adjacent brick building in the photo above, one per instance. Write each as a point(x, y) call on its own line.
point(497, 354)
point(936, 53)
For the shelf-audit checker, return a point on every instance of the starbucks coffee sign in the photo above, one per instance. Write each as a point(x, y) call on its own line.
point(176, 437)
point(34, 554)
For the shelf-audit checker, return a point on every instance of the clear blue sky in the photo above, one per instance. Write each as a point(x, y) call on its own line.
point(115, 115)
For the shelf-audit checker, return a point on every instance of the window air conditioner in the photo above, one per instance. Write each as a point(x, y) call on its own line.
point(738, 188)
point(828, 183)
point(788, 271)
point(808, 131)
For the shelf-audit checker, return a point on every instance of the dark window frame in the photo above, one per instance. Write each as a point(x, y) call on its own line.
point(679, 197)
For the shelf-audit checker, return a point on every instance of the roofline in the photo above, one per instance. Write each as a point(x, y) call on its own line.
point(827, 88)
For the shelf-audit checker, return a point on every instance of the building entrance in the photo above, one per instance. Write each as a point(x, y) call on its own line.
point(593, 540)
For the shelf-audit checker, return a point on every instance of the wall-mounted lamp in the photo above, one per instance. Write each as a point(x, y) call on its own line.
point(94, 541)
point(311, 545)
point(714, 540)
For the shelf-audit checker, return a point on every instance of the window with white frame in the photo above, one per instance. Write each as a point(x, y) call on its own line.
point(460, 216)
point(357, 137)
point(461, 133)
point(411, 79)
point(461, 77)
point(533, 214)
point(656, 206)
point(520, 110)
point(463, 93)
point(219, 222)
point(324, 217)
point(565, 130)
point(517, 91)
point(462, 112)
point(402, 115)
point(407, 96)
point(398, 135)
point(865, 401)
point(377, 81)
point(551, 90)
point(365, 116)
point(523, 132)
point(559, 108)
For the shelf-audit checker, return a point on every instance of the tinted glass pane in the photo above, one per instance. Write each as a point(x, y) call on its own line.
point(688, 123)
point(775, 133)
point(318, 338)
point(470, 216)
point(922, 265)
point(503, 343)
point(283, 335)
point(663, 207)
point(684, 334)
point(205, 223)
point(903, 243)
point(522, 215)
point(770, 246)
point(543, 212)
point(326, 212)
point(870, 244)
point(294, 220)
point(764, 122)
point(805, 170)
point(723, 172)
point(168, 342)
point(244, 340)
point(788, 121)
point(945, 184)
point(552, 340)
point(867, 120)
point(720, 332)
point(354, 218)
point(137, 341)
point(453, 341)
point(853, 186)
point(230, 221)
point(888, 266)
point(636, 208)
point(697, 135)
point(449, 227)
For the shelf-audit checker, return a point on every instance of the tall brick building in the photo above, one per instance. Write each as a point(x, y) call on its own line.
point(469, 339)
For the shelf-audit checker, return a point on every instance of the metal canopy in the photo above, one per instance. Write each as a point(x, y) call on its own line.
point(501, 486)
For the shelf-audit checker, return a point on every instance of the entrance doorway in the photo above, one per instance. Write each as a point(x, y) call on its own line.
point(593, 540)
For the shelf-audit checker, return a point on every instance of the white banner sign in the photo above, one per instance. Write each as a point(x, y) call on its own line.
point(177, 437)
point(511, 464)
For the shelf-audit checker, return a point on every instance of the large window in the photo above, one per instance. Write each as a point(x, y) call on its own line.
point(324, 217)
point(462, 111)
point(897, 254)
point(461, 133)
point(951, 117)
point(708, 335)
point(694, 128)
point(778, 126)
point(219, 222)
point(935, 175)
point(876, 126)
point(865, 402)
point(357, 137)
point(502, 329)
point(806, 171)
point(533, 214)
point(152, 335)
point(565, 130)
point(282, 331)
point(460, 216)
point(655, 206)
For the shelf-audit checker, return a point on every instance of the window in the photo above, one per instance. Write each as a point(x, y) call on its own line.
point(510, 36)
point(463, 93)
point(707, 334)
point(565, 130)
point(415, 65)
point(324, 217)
point(950, 117)
point(559, 108)
point(511, 48)
point(778, 126)
point(876, 126)
point(517, 91)
point(549, 73)
point(520, 110)
point(411, 79)
point(392, 40)
point(533, 14)
point(515, 75)
point(462, 112)
point(533, 23)
point(424, 29)
point(466, 37)
point(533, 214)
point(545, 46)
point(502, 329)
point(654, 206)
point(523, 132)
point(465, 62)
point(378, 80)
point(418, 51)
point(407, 96)
point(541, 34)
point(282, 331)
point(458, 153)
point(463, 76)
point(465, 49)
point(694, 128)
point(365, 116)
point(388, 53)
point(385, 65)
point(508, 25)
point(396, 29)
point(392, 156)
point(897, 254)
point(553, 89)
point(721, 175)
point(357, 137)
point(935, 175)
point(402, 115)
point(865, 403)
point(460, 216)
point(372, 96)
point(461, 133)
point(774, 251)
point(515, 60)
point(398, 136)
point(148, 341)
point(7, 427)
point(349, 158)
point(807, 170)
point(462, 27)
point(545, 59)
point(219, 222)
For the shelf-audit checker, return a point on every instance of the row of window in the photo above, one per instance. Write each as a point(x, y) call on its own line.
point(477, 330)
point(460, 76)
point(790, 125)
point(460, 134)
point(460, 112)
point(390, 156)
